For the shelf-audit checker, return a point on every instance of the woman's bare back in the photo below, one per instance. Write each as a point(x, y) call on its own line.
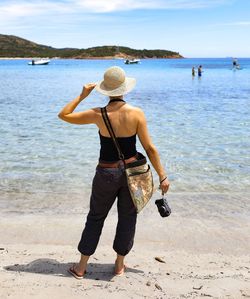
point(123, 118)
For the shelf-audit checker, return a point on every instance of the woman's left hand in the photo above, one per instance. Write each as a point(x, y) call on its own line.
point(164, 186)
point(87, 88)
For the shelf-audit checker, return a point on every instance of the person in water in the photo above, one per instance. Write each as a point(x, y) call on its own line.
point(193, 71)
point(199, 70)
point(235, 64)
point(110, 179)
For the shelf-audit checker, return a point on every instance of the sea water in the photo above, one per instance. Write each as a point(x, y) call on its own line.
point(200, 127)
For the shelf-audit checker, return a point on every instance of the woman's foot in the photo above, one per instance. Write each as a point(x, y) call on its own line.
point(76, 271)
point(119, 267)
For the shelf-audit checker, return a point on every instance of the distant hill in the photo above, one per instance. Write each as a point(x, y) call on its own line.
point(13, 46)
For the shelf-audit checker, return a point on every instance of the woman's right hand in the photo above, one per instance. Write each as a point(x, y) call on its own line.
point(87, 88)
point(164, 186)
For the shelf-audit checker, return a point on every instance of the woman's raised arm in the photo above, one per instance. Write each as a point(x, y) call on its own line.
point(80, 118)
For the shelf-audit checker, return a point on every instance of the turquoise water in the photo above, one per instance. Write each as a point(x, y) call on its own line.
point(200, 126)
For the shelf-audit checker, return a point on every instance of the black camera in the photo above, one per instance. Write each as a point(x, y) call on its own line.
point(163, 207)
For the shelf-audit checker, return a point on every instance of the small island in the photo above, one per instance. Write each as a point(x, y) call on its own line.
point(15, 47)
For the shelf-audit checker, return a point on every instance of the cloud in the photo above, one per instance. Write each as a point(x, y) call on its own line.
point(240, 23)
point(232, 24)
point(102, 6)
point(21, 9)
point(35, 7)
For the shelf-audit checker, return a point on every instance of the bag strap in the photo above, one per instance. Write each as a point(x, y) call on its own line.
point(111, 132)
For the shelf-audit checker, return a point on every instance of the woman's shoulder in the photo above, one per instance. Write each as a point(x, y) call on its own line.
point(136, 112)
point(134, 109)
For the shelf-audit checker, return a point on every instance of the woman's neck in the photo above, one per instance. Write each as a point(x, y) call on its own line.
point(116, 99)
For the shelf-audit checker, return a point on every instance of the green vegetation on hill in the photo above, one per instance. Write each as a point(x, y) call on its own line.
point(13, 46)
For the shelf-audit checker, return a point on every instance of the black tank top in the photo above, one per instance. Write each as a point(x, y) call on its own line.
point(108, 151)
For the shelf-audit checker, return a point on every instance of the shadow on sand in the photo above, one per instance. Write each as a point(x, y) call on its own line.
point(52, 267)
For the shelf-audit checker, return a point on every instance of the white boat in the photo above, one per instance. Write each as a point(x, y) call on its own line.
point(43, 61)
point(132, 61)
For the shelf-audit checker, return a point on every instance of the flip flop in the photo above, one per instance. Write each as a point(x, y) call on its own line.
point(73, 272)
point(121, 272)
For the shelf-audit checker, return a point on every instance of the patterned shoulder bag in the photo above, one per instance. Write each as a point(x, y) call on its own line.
point(138, 173)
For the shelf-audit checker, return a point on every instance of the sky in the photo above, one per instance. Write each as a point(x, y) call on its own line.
point(194, 28)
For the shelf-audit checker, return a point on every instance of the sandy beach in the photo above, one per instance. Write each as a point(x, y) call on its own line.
point(203, 257)
point(192, 78)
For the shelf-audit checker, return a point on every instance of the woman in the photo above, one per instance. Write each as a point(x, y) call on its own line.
point(110, 179)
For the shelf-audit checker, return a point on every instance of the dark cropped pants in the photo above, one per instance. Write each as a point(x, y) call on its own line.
point(108, 184)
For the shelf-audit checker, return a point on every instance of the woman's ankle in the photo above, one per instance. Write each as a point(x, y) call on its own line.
point(119, 260)
point(83, 262)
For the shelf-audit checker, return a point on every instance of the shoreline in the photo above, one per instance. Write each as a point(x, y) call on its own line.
point(198, 205)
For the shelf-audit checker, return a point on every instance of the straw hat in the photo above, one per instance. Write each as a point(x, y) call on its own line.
point(115, 82)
